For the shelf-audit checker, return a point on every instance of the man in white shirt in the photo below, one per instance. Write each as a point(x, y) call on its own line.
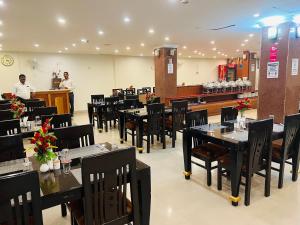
point(67, 83)
point(22, 89)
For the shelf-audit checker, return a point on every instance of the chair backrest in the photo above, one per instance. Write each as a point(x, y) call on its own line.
point(179, 110)
point(20, 201)
point(11, 147)
point(155, 100)
point(74, 137)
point(228, 113)
point(140, 91)
point(105, 181)
point(147, 89)
point(129, 92)
point(5, 106)
point(10, 127)
point(43, 111)
point(31, 105)
point(153, 89)
point(260, 144)
point(4, 101)
point(156, 118)
point(131, 103)
point(97, 98)
point(291, 138)
point(58, 121)
point(131, 97)
point(6, 115)
point(196, 118)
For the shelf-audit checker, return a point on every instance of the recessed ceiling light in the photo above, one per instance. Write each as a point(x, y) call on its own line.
point(0, 45)
point(199, 53)
point(246, 40)
point(1, 22)
point(142, 44)
point(61, 20)
point(237, 50)
point(1, 3)
point(242, 44)
point(83, 40)
point(256, 15)
point(190, 56)
point(184, 47)
point(97, 48)
point(167, 39)
point(195, 51)
point(215, 57)
point(141, 54)
point(203, 54)
point(100, 32)
point(251, 35)
point(74, 44)
point(214, 49)
point(59, 51)
point(128, 48)
point(180, 54)
point(126, 19)
point(116, 51)
point(151, 31)
point(212, 42)
point(66, 48)
point(1, 34)
point(226, 55)
point(36, 45)
point(0, 49)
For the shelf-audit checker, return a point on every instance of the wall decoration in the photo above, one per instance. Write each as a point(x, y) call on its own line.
point(295, 66)
point(273, 70)
point(7, 60)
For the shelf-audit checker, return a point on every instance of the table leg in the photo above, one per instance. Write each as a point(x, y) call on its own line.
point(237, 160)
point(187, 153)
point(139, 135)
point(63, 210)
point(121, 126)
point(144, 183)
point(295, 165)
point(90, 113)
point(99, 119)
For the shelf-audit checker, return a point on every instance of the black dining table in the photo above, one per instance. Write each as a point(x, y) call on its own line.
point(58, 188)
point(138, 115)
point(235, 140)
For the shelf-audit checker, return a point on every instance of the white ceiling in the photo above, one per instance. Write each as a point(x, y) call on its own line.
point(29, 22)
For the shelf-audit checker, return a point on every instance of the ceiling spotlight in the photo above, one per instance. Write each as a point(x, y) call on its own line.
point(257, 26)
point(1, 22)
point(296, 19)
point(237, 50)
point(242, 44)
point(117, 51)
point(59, 51)
point(151, 31)
point(0, 45)
point(203, 54)
point(223, 54)
point(74, 45)
point(97, 48)
point(1, 34)
point(219, 53)
point(246, 40)
point(141, 54)
point(128, 48)
point(167, 39)
point(180, 54)
point(100, 32)
point(66, 48)
point(1, 3)
point(215, 57)
point(273, 20)
point(61, 21)
point(251, 35)
point(256, 15)
point(83, 40)
point(212, 42)
point(184, 47)
point(190, 56)
point(142, 44)
point(126, 19)
point(214, 49)
point(195, 51)
point(226, 55)
point(0, 49)
point(36, 45)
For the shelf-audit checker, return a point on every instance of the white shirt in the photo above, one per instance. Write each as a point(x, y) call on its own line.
point(23, 90)
point(67, 84)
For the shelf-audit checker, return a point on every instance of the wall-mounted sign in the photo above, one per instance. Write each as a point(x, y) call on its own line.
point(170, 68)
point(273, 70)
point(252, 69)
point(273, 53)
point(295, 66)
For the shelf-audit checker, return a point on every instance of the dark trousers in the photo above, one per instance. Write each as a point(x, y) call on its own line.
point(71, 99)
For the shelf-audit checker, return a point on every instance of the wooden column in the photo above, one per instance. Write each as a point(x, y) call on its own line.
point(252, 69)
point(279, 96)
point(165, 81)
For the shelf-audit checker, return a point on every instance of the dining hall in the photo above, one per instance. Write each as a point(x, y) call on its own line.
point(162, 112)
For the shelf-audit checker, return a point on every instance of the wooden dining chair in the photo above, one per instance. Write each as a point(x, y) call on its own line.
point(129, 92)
point(31, 105)
point(110, 111)
point(107, 180)
point(6, 115)
point(58, 121)
point(257, 158)
point(20, 200)
point(155, 124)
point(10, 127)
point(288, 148)
point(42, 111)
point(130, 124)
point(97, 98)
point(5, 101)
point(140, 92)
point(177, 121)
point(128, 97)
point(203, 150)
point(5, 106)
point(74, 137)
point(11, 147)
point(228, 113)
point(155, 100)
point(146, 89)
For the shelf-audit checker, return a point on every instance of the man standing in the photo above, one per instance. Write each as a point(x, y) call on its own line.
point(67, 83)
point(22, 89)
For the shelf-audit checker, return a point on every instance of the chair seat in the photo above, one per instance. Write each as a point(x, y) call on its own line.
point(77, 210)
point(276, 151)
point(131, 125)
point(209, 151)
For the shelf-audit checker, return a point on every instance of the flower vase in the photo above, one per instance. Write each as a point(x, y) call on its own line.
point(44, 168)
point(241, 121)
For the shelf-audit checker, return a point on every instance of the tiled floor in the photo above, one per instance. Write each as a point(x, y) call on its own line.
point(176, 201)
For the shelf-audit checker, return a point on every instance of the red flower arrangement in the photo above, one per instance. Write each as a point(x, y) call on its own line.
point(17, 107)
point(243, 105)
point(150, 97)
point(44, 143)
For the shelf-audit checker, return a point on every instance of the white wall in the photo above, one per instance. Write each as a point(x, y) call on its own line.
point(96, 74)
